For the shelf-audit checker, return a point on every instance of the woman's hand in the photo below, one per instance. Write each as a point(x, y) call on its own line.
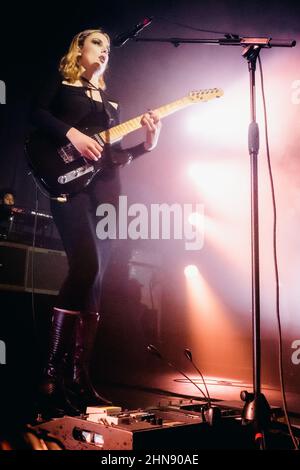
point(88, 147)
point(152, 122)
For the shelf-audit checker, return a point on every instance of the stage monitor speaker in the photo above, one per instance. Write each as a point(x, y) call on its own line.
point(50, 267)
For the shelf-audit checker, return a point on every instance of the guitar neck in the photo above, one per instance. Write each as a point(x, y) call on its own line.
point(116, 133)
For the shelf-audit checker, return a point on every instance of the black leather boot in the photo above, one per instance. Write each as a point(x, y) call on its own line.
point(81, 389)
point(52, 393)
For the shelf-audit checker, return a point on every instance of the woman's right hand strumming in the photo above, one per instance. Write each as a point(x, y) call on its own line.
point(88, 147)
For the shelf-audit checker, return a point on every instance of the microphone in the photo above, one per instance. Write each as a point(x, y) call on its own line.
point(122, 38)
point(188, 354)
point(153, 350)
point(211, 414)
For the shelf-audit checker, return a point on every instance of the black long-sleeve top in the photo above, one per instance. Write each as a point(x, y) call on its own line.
point(59, 106)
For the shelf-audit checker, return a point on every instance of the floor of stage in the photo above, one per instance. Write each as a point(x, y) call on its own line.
point(154, 390)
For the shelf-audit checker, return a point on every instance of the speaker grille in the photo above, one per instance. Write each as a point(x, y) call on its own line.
point(50, 267)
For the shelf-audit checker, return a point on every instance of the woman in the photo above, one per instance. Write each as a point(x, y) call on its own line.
point(76, 99)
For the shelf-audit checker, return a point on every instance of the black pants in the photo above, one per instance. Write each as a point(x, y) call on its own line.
point(87, 255)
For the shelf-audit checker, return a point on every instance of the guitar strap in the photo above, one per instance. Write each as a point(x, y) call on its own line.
point(110, 120)
point(117, 154)
point(107, 109)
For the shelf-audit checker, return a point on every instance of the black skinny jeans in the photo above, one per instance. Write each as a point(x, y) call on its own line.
point(88, 256)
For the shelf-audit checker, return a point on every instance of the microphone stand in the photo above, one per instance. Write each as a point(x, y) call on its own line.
point(256, 410)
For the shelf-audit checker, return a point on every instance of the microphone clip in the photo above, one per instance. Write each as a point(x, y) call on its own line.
point(211, 414)
point(122, 38)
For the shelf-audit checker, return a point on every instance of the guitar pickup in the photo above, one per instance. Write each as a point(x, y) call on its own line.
point(68, 153)
point(74, 174)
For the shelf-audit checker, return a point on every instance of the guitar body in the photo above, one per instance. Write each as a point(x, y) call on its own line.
point(61, 169)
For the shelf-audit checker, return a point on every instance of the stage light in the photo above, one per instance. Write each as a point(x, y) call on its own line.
point(212, 331)
point(194, 171)
point(194, 123)
point(223, 185)
point(196, 219)
point(191, 271)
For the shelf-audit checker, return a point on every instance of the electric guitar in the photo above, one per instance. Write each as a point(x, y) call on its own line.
point(63, 171)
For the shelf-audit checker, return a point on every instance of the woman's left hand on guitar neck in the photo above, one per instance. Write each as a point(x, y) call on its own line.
point(152, 122)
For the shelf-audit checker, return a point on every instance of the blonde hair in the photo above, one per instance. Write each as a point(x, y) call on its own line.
point(69, 65)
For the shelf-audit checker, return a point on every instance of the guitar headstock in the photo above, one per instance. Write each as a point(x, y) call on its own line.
point(205, 95)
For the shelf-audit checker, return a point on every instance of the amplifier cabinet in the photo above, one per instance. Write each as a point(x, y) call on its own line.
point(26, 269)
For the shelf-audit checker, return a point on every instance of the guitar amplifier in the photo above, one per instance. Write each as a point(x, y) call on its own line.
point(26, 269)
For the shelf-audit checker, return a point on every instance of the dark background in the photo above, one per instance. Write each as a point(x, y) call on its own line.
point(33, 38)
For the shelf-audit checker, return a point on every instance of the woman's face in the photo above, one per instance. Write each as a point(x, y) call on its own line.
point(95, 52)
